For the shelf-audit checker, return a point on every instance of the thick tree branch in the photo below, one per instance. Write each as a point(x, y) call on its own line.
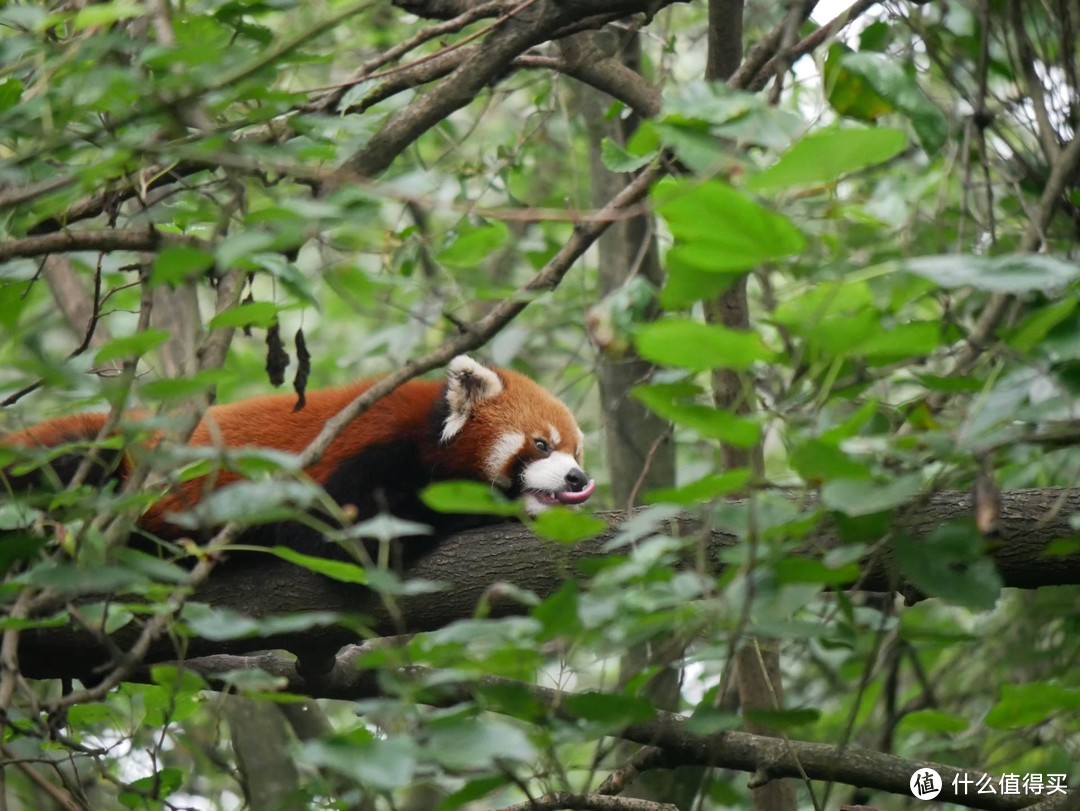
point(470, 562)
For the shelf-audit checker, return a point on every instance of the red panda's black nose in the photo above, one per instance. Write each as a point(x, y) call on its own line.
point(576, 480)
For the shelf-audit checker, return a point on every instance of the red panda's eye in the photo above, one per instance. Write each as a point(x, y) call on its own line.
point(542, 445)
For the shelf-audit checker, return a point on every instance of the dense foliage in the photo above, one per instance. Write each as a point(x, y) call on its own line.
point(191, 189)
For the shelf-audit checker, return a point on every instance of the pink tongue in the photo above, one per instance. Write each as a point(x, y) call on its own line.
point(579, 497)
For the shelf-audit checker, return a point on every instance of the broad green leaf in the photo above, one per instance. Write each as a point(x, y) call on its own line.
point(861, 497)
point(474, 244)
point(106, 14)
point(1031, 704)
point(950, 563)
point(808, 570)
point(567, 526)
point(221, 624)
point(612, 711)
point(902, 341)
point(706, 420)
point(130, 346)
point(617, 159)
point(933, 721)
point(818, 461)
point(250, 502)
point(783, 719)
point(900, 88)
point(179, 388)
point(700, 347)
point(736, 232)
point(848, 92)
point(253, 313)
point(466, 744)
point(339, 570)
point(704, 489)
point(1014, 273)
point(827, 299)
point(558, 614)
point(378, 764)
point(158, 785)
point(180, 263)
point(468, 497)
point(71, 580)
point(687, 283)
point(1037, 325)
point(824, 157)
point(10, 92)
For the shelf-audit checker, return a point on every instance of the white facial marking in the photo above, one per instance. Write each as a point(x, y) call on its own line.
point(556, 437)
point(504, 449)
point(533, 505)
point(549, 475)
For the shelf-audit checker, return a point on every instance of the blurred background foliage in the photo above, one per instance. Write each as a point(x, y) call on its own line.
point(912, 286)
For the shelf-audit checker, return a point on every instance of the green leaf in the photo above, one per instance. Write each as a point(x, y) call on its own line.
point(253, 313)
point(950, 563)
point(567, 526)
point(1031, 704)
point(131, 346)
point(707, 488)
point(339, 570)
point(178, 388)
point(157, 786)
point(618, 159)
point(818, 461)
point(179, 263)
point(700, 347)
point(902, 341)
point(10, 92)
point(474, 244)
point(849, 93)
point(250, 502)
point(221, 624)
point(687, 283)
point(467, 744)
point(783, 719)
point(471, 498)
point(612, 711)
point(885, 75)
point(861, 497)
point(1030, 332)
point(933, 721)
point(106, 14)
point(825, 156)
point(378, 764)
point(808, 570)
point(1014, 273)
point(706, 420)
point(730, 230)
point(71, 580)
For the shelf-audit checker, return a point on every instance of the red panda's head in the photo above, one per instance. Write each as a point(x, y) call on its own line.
point(504, 428)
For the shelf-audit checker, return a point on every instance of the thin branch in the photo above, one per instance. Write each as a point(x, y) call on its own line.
point(664, 732)
point(587, 802)
point(134, 239)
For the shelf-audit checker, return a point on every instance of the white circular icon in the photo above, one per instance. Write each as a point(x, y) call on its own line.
point(925, 784)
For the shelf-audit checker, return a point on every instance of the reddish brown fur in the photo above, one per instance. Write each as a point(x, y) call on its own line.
point(270, 422)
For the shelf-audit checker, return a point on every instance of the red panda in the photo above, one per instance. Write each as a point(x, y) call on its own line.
point(488, 425)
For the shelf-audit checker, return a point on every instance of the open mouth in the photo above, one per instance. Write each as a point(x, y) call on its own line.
point(564, 496)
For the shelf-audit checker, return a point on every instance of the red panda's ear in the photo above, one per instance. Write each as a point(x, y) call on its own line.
point(468, 384)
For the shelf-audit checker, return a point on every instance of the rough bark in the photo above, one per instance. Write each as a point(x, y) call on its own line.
point(510, 553)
